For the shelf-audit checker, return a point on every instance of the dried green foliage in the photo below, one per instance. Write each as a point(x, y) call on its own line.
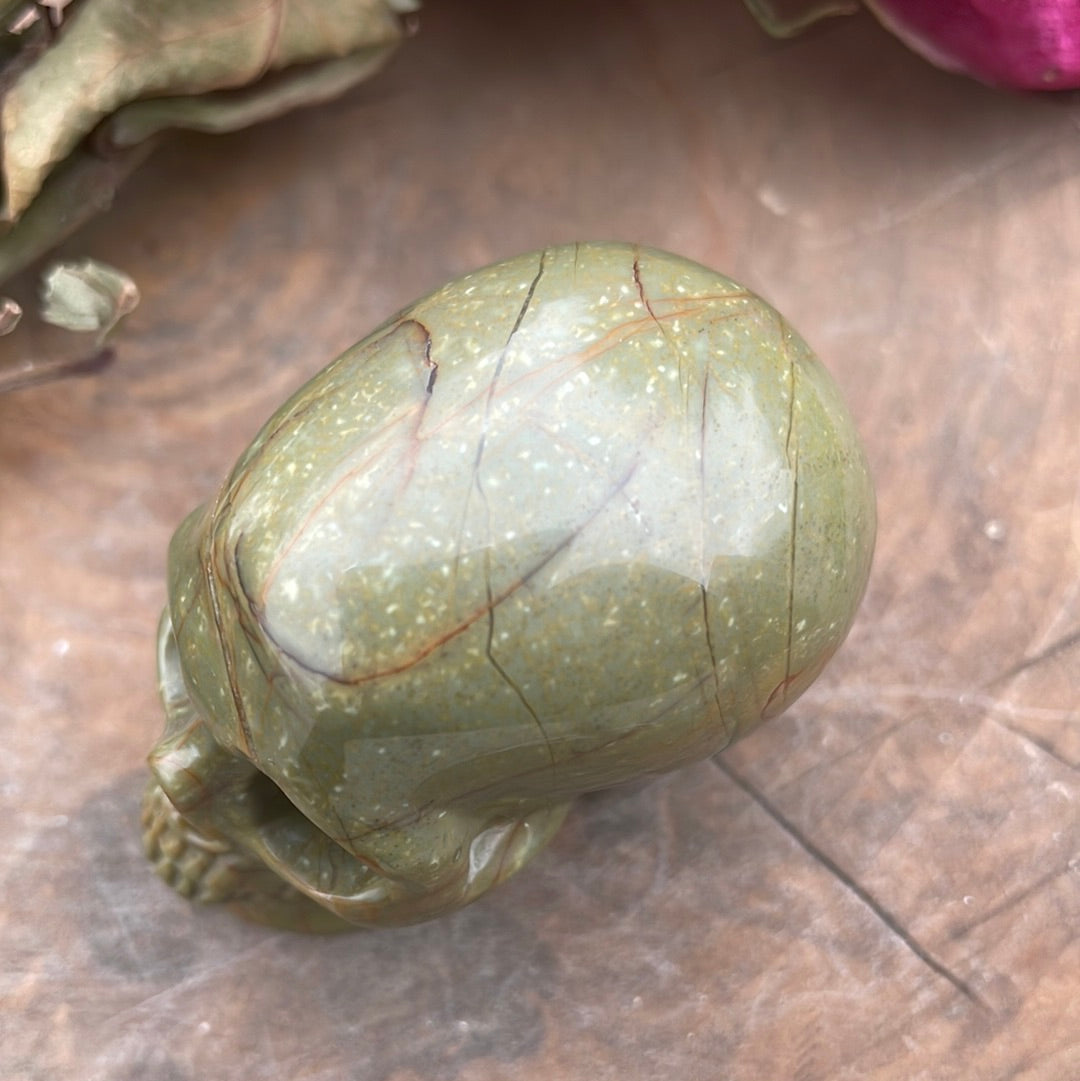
point(81, 101)
point(789, 18)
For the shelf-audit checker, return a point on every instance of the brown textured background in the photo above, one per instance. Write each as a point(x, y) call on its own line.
point(883, 884)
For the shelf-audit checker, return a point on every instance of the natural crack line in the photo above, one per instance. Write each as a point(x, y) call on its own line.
point(1055, 649)
point(830, 865)
point(702, 487)
point(478, 486)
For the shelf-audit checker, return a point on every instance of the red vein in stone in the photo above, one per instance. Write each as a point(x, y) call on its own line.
point(480, 612)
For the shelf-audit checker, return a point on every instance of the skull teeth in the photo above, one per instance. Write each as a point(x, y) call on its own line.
point(210, 870)
point(198, 867)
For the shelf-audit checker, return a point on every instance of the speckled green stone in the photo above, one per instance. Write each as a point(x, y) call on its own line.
point(573, 519)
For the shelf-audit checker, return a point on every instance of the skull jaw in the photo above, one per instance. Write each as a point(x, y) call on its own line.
point(211, 870)
point(219, 831)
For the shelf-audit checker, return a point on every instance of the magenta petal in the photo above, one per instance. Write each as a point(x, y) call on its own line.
point(1027, 44)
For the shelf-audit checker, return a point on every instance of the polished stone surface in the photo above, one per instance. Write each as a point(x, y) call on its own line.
point(575, 519)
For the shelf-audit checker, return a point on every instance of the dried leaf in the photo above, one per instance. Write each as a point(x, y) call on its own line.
point(115, 52)
point(83, 185)
point(230, 110)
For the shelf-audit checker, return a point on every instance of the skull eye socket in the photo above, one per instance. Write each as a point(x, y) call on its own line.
point(281, 835)
point(268, 805)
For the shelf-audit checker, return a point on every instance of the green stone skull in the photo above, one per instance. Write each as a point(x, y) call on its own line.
point(572, 520)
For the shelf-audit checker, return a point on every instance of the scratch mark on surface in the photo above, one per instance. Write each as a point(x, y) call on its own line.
point(206, 976)
point(888, 218)
point(877, 692)
point(1044, 745)
point(1062, 645)
point(890, 921)
point(1010, 902)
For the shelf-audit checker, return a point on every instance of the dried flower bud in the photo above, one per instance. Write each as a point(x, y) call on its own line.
point(87, 296)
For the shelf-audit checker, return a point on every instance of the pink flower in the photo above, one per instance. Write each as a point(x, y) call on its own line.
point(1026, 44)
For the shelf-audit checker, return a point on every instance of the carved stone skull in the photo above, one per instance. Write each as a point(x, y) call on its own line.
point(575, 519)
